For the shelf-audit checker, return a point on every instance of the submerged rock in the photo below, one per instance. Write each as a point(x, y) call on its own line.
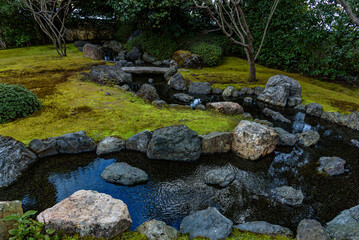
point(73, 143)
point(148, 92)
point(276, 116)
point(288, 195)
point(331, 165)
point(110, 145)
point(226, 107)
point(88, 213)
point(15, 159)
point(261, 227)
point(314, 109)
point(221, 177)
point(309, 229)
point(124, 174)
point(286, 138)
point(253, 140)
point(200, 88)
point(157, 230)
point(176, 142)
point(207, 223)
point(345, 225)
point(108, 75)
point(216, 142)
point(308, 139)
point(139, 142)
point(7, 209)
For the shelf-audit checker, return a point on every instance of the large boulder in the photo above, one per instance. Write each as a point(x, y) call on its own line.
point(7, 209)
point(200, 88)
point(185, 59)
point(15, 159)
point(331, 165)
point(72, 143)
point(308, 139)
point(176, 142)
point(221, 177)
point(314, 109)
point(148, 92)
point(230, 92)
point(124, 174)
point(44, 148)
point(226, 107)
point(261, 227)
point(139, 142)
point(157, 230)
point(252, 140)
point(345, 226)
point(110, 145)
point(88, 213)
point(288, 195)
point(108, 75)
point(177, 82)
point(282, 90)
point(134, 54)
point(216, 142)
point(208, 223)
point(113, 45)
point(309, 229)
point(93, 51)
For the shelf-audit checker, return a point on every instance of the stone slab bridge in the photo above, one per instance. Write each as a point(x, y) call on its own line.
point(145, 70)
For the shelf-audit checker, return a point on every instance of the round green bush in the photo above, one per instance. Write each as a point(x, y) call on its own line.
point(16, 102)
point(210, 54)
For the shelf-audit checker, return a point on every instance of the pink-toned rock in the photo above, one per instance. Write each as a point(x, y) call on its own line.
point(93, 51)
point(88, 213)
point(226, 107)
point(252, 140)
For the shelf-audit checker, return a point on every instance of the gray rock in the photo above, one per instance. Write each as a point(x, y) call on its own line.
point(148, 92)
point(308, 139)
point(246, 91)
point(80, 44)
point(314, 109)
point(261, 227)
point(230, 92)
point(182, 97)
point(345, 226)
point(158, 64)
point(258, 90)
point(124, 174)
point(200, 88)
point(248, 100)
point(286, 138)
point(15, 159)
point(121, 63)
point(93, 51)
point(171, 71)
point(221, 177)
point(229, 108)
point(252, 140)
point(157, 230)
point(110, 145)
point(309, 229)
point(276, 116)
point(253, 183)
point(139, 62)
point(147, 58)
point(176, 142)
point(207, 223)
point(139, 142)
point(159, 103)
point(44, 148)
point(355, 143)
point(300, 108)
point(72, 143)
point(134, 54)
point(113, 45)
point(124, 87)
point(263, 122)
point(331, 165)
point(7, 209)
point(288, 195)
point(217, 91)
point(247, 115)
point(201, 107)
point(282, 90)
point(109, 75)
point(177, 82)
point(88, 213)
point(216, 142)
point(151, 80)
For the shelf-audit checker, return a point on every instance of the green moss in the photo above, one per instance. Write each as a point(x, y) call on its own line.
point(234, 72)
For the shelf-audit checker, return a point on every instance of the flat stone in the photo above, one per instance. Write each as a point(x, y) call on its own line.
point(331, 165)
point(88, 213)
point(261, 227)
point(276, 116)
point(309, 229)
point(229, 108)
point(221, 177)
point(7, 209)
point(124, 174)
point(288, 195)
point(308, 139)
point(216, 142)
point(109, 75)
point(110, 145)
point(139, 142)
point(157, 230)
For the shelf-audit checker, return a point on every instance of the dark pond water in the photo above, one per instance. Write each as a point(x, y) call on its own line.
point(176, 189)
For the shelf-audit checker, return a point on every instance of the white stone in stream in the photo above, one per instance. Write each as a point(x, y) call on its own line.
point(88, 213)
point(110, 145)
point(252, 140)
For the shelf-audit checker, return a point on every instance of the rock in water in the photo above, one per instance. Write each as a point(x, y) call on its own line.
point(276, 116)
point(176, 142)
point(216, 142)
point(93, 51)
point(148, 92)
point(139, 142)
point(72, 143)
point(345, 225)
point(308, 139)
point(288, 195)
point(286, 138)
point(252, 140)
point(157, 230)
point(282, 90)
point(229, 108)
point(124, 174)
point(261, 227)
point(221, 177)
point(207, 223)
point(309, 229)
point(15, 159)
point(7, 209)
point(200, 88)
point(110, 145)
point(88, 213)
point(331, 165)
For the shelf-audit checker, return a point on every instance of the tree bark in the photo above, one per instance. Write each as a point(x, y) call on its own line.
point(349, 11)
point(251, 64)
point(2, 41)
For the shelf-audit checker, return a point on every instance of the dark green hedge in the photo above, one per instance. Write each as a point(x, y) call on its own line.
point(210, 54)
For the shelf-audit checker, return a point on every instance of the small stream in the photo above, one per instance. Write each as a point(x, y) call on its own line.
point(176, 189)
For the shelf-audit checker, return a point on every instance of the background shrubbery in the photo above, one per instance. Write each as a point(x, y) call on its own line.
point(210, 54)
point(16, 102)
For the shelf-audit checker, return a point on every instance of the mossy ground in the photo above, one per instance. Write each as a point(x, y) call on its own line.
point(70, 104)
point(234, 72)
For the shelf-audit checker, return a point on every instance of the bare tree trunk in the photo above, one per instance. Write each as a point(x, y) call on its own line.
point(2, 41)
point(349, 11)
point(251, 63)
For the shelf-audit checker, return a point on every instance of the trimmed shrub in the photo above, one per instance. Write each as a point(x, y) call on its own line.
point(16, 102)
point(124, 32)
point(210, 54)
point(159, 46)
